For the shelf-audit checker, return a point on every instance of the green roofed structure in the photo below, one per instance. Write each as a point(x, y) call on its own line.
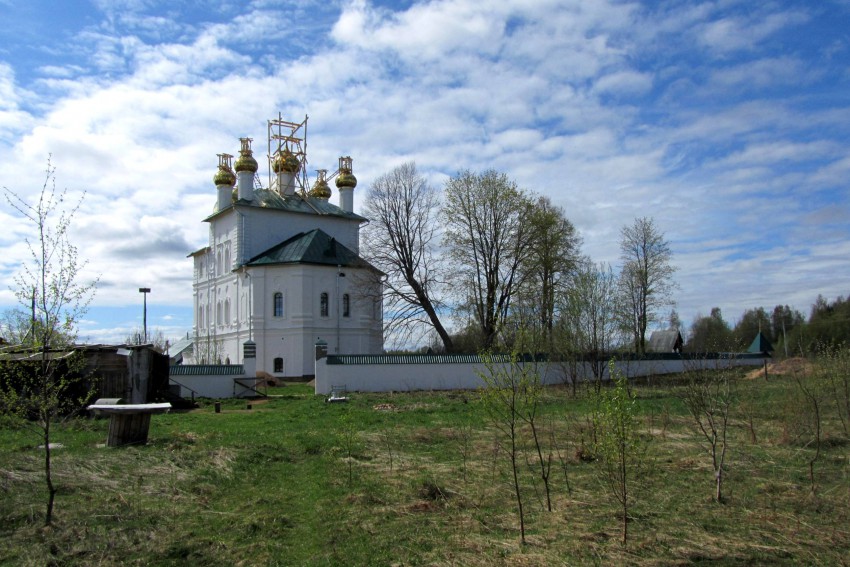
point(761, 345)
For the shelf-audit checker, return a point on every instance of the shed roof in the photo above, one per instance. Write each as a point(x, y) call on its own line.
point(206, 370)
point(665, 341)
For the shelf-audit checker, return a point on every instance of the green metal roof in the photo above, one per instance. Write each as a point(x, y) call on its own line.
point(314, 247)
point(268, 199)
point(206, 370)
point(760, 344)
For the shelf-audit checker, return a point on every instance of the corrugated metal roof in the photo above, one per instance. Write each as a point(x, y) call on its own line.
point(206, 370)
point(268, 199)
point(314, 247)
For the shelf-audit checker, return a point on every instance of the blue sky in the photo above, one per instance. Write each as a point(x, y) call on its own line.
point(728, 122)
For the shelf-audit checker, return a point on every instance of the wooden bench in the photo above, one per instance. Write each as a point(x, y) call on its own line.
point(128, 423)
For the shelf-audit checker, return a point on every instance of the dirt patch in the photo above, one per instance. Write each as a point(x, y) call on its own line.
point(794, 366)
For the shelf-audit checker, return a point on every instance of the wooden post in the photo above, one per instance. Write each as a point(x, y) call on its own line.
point(128, 429)
point(218, 407)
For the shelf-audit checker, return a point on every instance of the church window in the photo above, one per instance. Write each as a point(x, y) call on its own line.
point(278, 304)
point(323, 305)
point(278, 364)
point(226, 311)
point(346, 305)
point(200, 317)
point(227, 264)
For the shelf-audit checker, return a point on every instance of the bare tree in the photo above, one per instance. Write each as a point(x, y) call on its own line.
point(709, 395)
point(46, 387)
point(208, 349)
point(589, 313)
point(401, 241)
point(156, 338)
point(507, 380)
point(646, 280)
point(488, 235)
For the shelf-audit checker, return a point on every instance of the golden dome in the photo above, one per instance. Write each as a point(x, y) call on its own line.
point(286, 162)
point(346, 179)
point(321, 190)
point(246, 161)
point(224, 176)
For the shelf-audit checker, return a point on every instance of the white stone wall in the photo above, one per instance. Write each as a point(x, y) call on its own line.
point(412, 377)
point(213, 386)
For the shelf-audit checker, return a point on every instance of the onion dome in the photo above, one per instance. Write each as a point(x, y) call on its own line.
point(346, 179)
point(246, 161)
point(224, 176)
point(286, 162)
point(321, 190)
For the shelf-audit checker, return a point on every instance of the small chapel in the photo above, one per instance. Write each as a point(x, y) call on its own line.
point(282, 268)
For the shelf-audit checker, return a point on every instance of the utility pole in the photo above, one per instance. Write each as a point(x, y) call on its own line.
point(145, 291)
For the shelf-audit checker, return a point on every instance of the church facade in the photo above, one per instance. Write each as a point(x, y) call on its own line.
point(282, 267)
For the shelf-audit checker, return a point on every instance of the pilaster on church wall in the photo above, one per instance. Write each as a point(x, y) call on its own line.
point(302, 296)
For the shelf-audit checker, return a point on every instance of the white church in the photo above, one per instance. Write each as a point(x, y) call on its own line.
point(282, 268)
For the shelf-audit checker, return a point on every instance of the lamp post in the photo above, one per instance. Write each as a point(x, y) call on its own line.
point(145, 291)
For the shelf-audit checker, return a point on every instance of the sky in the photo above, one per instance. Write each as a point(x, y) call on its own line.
point(727, 122)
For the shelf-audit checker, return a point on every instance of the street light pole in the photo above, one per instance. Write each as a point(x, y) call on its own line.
point(145, 291)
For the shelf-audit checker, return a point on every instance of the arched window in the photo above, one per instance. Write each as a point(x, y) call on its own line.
point(227, 263)
point(200, 317)
point(227, 311)
point(346, 305)
point(278, 304)
point(218, 318)
point(278, 365)
point(323, 305)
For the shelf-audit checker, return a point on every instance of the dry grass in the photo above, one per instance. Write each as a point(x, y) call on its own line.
point(429, 487)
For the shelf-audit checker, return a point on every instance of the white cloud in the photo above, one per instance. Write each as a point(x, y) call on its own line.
point(561, 95)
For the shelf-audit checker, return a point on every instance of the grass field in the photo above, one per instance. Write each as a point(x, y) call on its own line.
point(420, 479)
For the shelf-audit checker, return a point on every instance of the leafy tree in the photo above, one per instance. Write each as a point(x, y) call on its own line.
point(710, 334)
point(49, 283)
point(673, 321)
point(784, 320)
point(401, 241)
point(828, 327)
point(646, 279)
point(619, 446)
point(548, 264)
point(588, 323)
point(488, 235)
point(21, 328)
point(753, 321)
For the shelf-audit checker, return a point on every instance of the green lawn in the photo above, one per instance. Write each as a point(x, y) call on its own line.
point(420, 479)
